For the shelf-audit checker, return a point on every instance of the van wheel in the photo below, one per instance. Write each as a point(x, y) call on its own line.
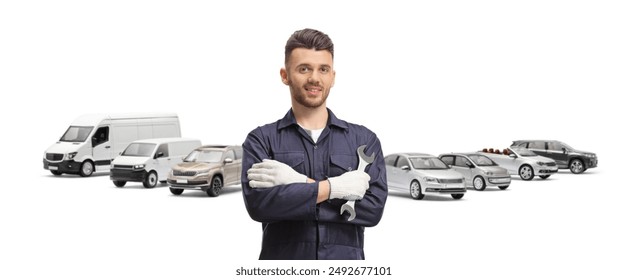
point(87, 168)
point(151, 180)
point(176, 191)
point(215, 187)
point(55, 172)
point(119, 184)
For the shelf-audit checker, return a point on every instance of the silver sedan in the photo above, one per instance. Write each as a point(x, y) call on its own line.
point(422, 173)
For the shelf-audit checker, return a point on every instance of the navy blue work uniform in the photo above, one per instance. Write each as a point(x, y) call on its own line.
point(294, 226)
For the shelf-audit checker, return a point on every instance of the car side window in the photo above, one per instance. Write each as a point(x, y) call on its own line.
point(238, 154)
point(539, 145)
point(390, 160)
point(101, 136)
point(230, 154)
point(449, 160)
point(163, 148)
point(461, 161)
point(402, 161)
point(553, 146)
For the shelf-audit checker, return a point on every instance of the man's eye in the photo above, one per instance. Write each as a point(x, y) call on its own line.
point(324, 70)
point(304, 69)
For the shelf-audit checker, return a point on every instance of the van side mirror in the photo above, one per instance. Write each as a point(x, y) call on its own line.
point(158, 155)
point(228, 160)
point(94, 141)
point(405, 167)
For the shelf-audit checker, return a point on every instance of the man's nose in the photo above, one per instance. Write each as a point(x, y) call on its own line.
point(313, 78)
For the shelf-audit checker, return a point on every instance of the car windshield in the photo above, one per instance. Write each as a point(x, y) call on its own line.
point(523, 151)
point(427, 163)
point(204, 156)
point(481, 160)
point(76, 134)
point(139, 150)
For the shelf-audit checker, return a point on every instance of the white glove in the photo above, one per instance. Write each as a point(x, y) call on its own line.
point(270, 173)
point(351, 185)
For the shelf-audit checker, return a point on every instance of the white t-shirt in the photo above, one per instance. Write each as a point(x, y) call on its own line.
point(315, 133)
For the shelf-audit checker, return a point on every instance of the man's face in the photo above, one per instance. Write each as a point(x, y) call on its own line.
point(310, 76)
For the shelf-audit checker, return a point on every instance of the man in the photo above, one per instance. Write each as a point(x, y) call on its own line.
point(298, 171)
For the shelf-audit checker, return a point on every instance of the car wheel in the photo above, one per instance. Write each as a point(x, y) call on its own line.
point(544, 176)
point(503, 187)
point(119, 184)
point(478, 183)
point(151, 180)
point(576, 166)
point(176, 191)
point(457, 195)
point(215, 186)
point(87, 168)
point(415, 190)
point(55, 172)
point(526, 172)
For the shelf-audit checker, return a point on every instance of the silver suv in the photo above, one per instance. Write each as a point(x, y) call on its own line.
point(207, 168)
point(564, 155)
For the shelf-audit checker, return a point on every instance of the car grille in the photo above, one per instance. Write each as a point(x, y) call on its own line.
point(550, 164)
point(450, 181)
point(183, 173)
point(55, 157)
point(119, 166)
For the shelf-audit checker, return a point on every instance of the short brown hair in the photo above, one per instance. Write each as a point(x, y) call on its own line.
point(309, 39)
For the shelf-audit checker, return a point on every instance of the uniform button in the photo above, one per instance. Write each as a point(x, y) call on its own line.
point(315, 147)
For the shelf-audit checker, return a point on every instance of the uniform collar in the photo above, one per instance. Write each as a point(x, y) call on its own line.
point(289, 120)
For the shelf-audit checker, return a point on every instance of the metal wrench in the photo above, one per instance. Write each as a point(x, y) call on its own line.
point(365, 160)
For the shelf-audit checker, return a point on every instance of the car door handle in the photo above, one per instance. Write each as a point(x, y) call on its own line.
point(107, 147)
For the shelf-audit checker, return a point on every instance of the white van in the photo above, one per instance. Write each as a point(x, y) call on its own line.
point(150, 160)
point(92, 141)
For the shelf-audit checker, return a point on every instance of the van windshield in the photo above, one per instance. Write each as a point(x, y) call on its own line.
point(139, 150)
point(204, 156)
point(76, 134)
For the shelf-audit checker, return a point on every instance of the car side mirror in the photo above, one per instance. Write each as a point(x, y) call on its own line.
point(405, 167)
point(512, 155)
point(228, 160)
point(470, 165)
point(564, 151)
point(158, 155)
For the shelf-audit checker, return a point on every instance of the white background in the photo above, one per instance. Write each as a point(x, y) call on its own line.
point(443, 76)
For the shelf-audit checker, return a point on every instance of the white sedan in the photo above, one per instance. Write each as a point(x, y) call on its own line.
point(422, 173)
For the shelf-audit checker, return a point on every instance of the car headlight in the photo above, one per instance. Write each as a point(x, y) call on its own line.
point(488, 173)
point(72, 155)
point(139, 166)
point(540, 163)
point(590, 155)
point(431, 180)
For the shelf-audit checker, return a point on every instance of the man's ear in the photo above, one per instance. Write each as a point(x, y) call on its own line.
point(284, 76)
point(333, 79)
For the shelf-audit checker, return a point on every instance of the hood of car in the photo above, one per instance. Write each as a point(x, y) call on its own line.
point(129, 160)
point(583, 152)
point(438, 173)
point(195, 166)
